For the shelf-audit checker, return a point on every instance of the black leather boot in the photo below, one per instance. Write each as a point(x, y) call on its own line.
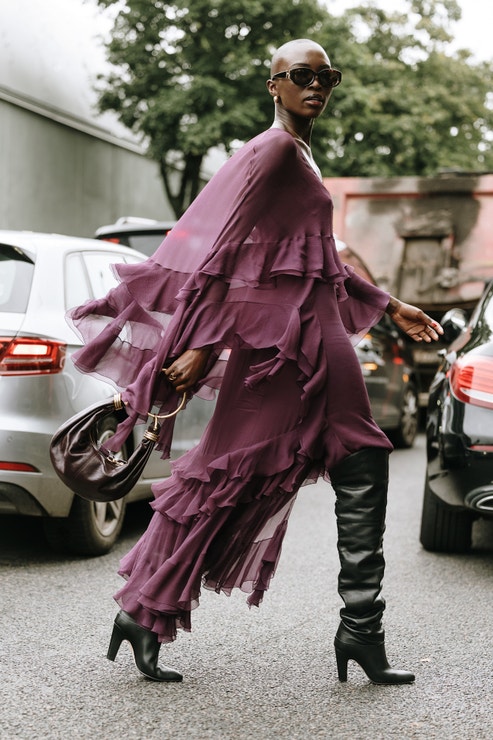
point(145, 646)
point(360, 483)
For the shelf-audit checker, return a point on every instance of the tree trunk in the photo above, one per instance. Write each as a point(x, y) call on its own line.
point(188, 179)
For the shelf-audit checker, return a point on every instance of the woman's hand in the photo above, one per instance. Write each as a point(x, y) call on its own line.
point(187, 369)
point(413, 321)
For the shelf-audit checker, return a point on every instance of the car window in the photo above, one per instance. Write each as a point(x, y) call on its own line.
point(99, 271)
point(487, 307)
point(146, 243)
point(483, 310)
point(77, 289)
point(16, 274)
point(88, 275)
point(130, 259)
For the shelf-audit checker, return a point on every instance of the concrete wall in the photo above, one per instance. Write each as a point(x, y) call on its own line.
point(57, 178)
point(63, 166)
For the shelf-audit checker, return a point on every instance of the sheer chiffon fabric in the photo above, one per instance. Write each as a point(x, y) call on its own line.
point(251, 268)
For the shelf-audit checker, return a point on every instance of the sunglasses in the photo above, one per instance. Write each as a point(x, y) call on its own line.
point(304, 76)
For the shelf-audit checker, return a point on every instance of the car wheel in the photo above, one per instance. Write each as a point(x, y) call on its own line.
point(444, 528)
point(405, 434)
point(92, 528)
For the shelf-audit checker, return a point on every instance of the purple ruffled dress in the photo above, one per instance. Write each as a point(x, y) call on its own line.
point(250, 268)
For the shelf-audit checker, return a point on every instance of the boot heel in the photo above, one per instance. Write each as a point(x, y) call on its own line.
point(342, 661)
point(117, 638)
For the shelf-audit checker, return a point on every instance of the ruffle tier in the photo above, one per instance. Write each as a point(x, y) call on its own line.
point(218, 524)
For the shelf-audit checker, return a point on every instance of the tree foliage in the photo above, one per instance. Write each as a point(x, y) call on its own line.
point(190, 75)
point(409, 106)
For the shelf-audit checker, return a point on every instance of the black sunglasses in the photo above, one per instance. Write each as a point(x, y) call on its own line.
point(304, 76)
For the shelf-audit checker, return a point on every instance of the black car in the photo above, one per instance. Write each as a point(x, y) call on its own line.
point(386, 363)
point(385, 360)
point(459, 432)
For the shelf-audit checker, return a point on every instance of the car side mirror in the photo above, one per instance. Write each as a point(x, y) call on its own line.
point(454, 322)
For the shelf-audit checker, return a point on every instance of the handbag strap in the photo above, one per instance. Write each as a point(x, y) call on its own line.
point(152, 432)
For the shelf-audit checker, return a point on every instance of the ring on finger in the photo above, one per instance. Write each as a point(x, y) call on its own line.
point(172, 376)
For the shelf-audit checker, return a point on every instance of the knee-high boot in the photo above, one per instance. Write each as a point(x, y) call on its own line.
point(360, 482)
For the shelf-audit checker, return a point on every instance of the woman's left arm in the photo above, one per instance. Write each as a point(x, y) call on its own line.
point(413, 321)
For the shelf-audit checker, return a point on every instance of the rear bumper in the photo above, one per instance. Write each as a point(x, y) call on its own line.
point(460, 451)
point(468, 487)
point(16, 500)
point(39, 493)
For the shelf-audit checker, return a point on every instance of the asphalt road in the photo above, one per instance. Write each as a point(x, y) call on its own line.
point(265, 673)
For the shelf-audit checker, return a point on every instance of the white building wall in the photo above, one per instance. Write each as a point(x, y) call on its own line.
point(63, 166)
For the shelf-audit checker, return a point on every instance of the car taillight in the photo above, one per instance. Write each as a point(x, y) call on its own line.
point(14, 467)
point(471, 380)
point(31, 356)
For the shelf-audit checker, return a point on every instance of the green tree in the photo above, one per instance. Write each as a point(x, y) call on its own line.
point(408, 106)
point(190, 75)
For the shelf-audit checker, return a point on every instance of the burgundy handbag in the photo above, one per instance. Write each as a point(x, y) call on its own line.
point(89, 470)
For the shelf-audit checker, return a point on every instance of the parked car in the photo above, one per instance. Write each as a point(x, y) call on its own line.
point(41, 276)
point(385, 359)
point(387, 368)
point(459, 432)
point(143, 234)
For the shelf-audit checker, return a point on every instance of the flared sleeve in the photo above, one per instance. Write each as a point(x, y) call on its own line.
point(363, 305)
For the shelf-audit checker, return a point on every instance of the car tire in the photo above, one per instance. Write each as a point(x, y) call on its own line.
point(444, 528)
point(92, 528)
point(403, 437)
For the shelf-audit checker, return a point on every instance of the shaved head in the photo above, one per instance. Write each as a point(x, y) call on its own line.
point(291, 52)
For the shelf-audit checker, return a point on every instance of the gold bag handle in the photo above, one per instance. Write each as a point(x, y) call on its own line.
point(118, 403)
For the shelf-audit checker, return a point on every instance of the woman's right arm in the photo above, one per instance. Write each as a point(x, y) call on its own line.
point(186, 371)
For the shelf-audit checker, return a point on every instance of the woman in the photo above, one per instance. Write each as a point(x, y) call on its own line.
point(252, 268)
